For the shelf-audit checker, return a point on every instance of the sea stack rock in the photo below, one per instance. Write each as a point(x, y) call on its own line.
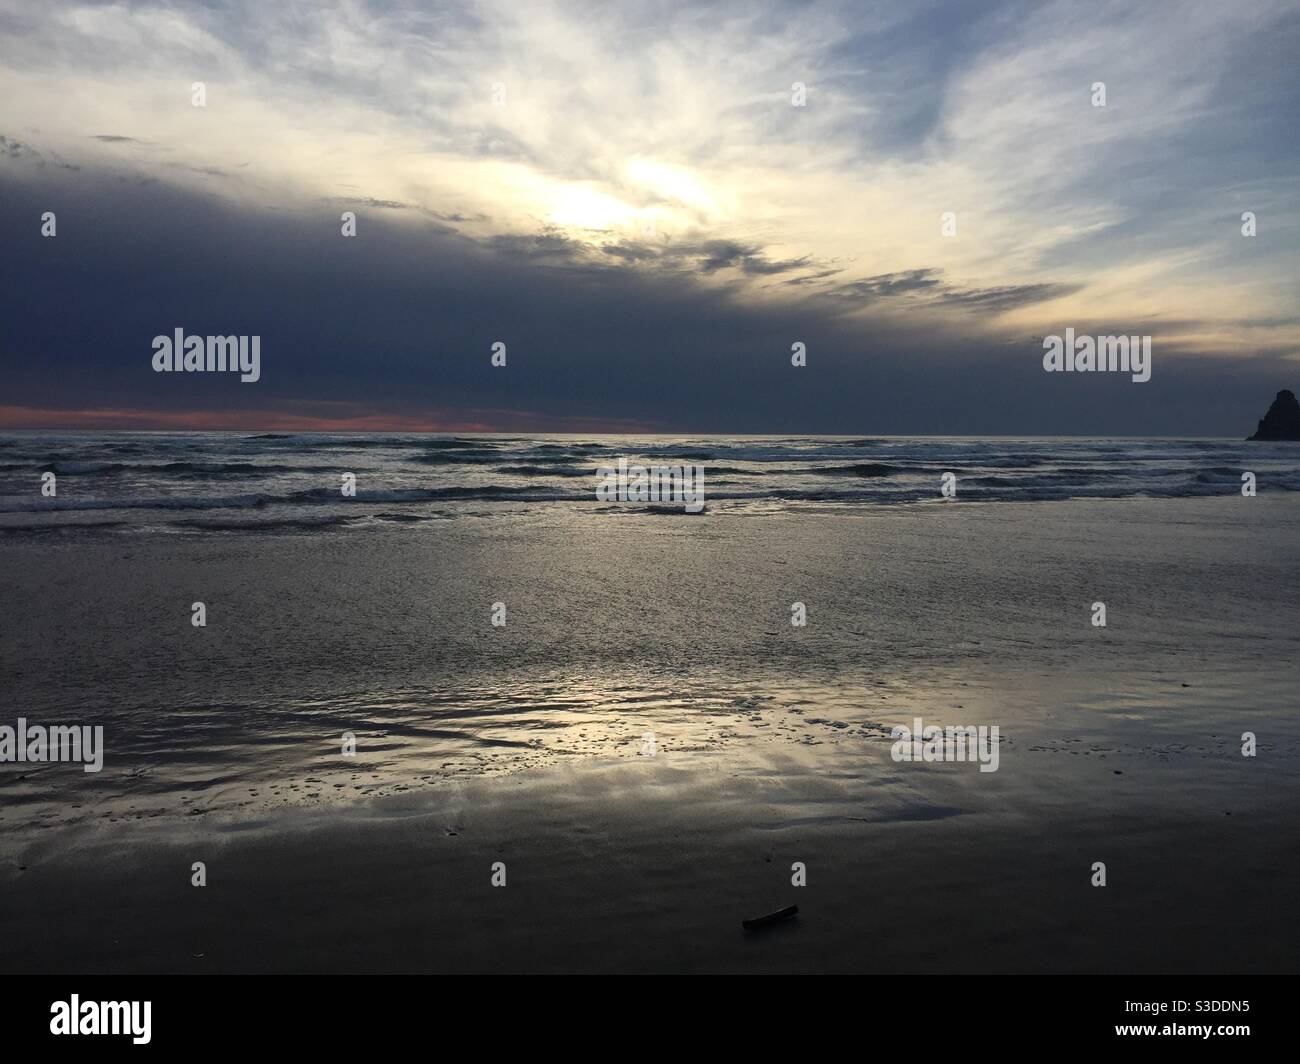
point(1282, 422)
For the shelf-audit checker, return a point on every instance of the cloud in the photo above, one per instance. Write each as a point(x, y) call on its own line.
point(890, 284)
point(15, 149)
point(642, 163)
point(1005, 297)
point(926, 287)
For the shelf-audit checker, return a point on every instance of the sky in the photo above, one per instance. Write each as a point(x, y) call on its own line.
point(649, 204)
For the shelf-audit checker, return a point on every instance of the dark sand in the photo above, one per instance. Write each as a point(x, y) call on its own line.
point(640, 867)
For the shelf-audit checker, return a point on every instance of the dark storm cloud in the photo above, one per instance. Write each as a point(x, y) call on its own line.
point(401, 319)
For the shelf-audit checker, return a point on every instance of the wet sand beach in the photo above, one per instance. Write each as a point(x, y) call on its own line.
point(526, 744)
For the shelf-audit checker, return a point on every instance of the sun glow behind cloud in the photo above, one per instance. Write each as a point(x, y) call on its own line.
point(583, 207)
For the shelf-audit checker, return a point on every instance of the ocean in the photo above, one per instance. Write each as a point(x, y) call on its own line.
point(208, 482)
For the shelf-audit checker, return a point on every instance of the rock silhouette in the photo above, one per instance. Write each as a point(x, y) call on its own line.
point(1282, 422)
